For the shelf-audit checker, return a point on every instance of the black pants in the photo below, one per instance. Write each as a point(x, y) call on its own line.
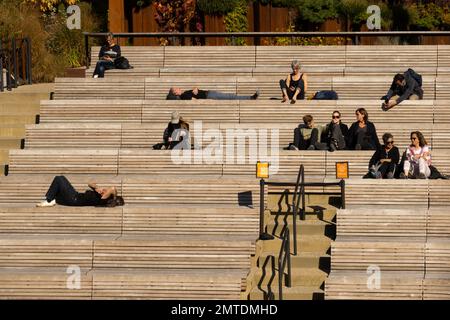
point(385, 168)
point(301, 143)
point(102, 66)
point(62, 191)
point(336, 137)
point(290, 93)
point(364, 142)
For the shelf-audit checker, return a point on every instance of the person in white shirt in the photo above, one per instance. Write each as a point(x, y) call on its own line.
point(418, 158)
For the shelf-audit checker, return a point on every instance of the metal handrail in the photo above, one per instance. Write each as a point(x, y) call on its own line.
point(9, 50)
point(298, 191)
point(284, 259)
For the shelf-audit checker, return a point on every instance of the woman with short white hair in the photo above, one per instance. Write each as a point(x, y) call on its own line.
point(295, 84)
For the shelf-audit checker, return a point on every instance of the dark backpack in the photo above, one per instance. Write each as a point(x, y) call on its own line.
point(415, 76)
point(122, 63)
point(326, 95)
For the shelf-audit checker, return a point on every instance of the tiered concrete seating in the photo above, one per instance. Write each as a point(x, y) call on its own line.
point(374, 87)
point(348, 87)
point(147, 61)
point(381, 223)
point(87, 111)
point(359, 254)
point(106, 88)
point(102, 135)
point(409, 246)
point(393, 286)
point(385, 60)
point(329, 60)
point(275, 60)
point(143, 190)
point(131, 220)
point(191, 162)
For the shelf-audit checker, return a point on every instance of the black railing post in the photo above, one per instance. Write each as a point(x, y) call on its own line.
point(342, 184)
point(8, 72)
point(86, 50)
point(29, 62)
point(303, 216)
point(288, 250)
point(262, 234)
point(14, 57)
point(1, 68)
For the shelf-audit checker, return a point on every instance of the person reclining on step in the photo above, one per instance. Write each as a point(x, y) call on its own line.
point(108, 53)
point(404, 86)
point(177, 94)
point(307, 135)
point(62, 192)
point(384, 161)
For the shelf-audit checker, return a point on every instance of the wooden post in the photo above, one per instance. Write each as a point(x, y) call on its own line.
point(116, 18)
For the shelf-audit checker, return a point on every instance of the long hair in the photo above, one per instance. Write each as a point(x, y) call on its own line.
point(114, 201)
point(422, 141)
point(364, 113)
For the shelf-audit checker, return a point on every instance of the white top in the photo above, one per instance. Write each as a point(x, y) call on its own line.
point(423, 152)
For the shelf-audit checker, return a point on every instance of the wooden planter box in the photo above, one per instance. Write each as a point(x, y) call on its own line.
point(75, 72)
point(214, 23)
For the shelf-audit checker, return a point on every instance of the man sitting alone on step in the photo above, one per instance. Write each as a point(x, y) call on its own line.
point(404, 86)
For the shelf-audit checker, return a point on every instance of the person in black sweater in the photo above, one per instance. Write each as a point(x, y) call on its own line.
point(384, 161)
point(62, 192)
point(362, 135)
point(196, 93)
point(108, 53)
point(336, 132)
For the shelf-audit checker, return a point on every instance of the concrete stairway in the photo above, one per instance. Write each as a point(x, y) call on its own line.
point(18, 108)
point(311, 265)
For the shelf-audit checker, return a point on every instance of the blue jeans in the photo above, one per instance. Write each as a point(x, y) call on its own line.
point(102, 66)
point(217, 95)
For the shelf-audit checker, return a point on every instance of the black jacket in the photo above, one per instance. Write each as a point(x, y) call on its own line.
point(105, 48)
point(371, 135)
point(381, 153)
point(328, 132)
point(411, 87)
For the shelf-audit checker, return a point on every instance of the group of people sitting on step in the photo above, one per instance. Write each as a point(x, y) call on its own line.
point(336, 135)
point(362, 135)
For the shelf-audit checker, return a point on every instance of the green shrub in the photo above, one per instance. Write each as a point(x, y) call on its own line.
point(67, 44)
point(317, 11)
point(426, 16)
point(54, 47)
point(217, 7)
point(354, 12)
point(236, 21)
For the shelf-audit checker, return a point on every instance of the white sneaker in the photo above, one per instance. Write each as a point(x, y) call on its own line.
point(46, 204)
point(95, 76)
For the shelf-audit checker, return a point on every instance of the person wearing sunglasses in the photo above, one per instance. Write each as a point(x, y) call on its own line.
point(295, 85)
point(384, 161)
point(418, 158)
point(335, 132)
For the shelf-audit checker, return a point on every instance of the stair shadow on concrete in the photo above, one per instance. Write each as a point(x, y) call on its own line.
point(284, 198)
point(268, 294)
